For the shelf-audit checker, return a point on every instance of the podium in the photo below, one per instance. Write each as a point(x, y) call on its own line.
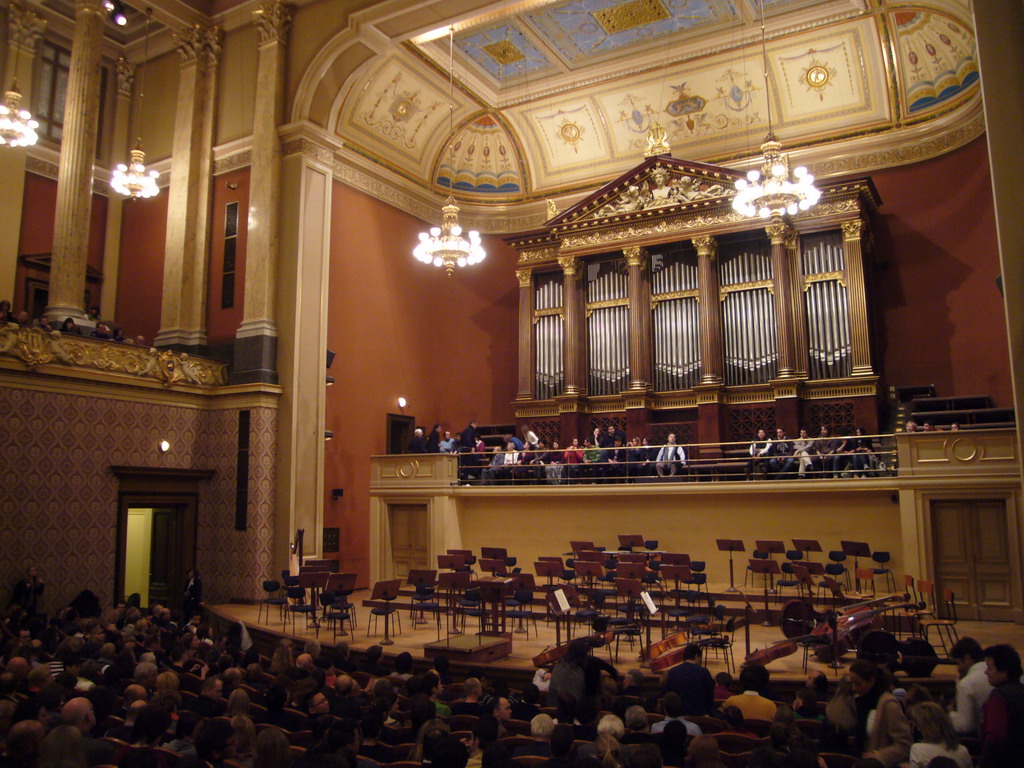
point(730, 546)
point(492, 642)
point(493, 590)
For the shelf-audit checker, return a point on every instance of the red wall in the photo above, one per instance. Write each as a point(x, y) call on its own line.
point(939, 315)
point(221, 324)
point(399, 327)
point(141, 270)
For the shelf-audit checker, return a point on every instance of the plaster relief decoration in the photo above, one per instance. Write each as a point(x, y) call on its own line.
point(938, 58)
point(585, 31)
point(504, 52)
point(398, 113)
point(485, 161)
point(567, 135)
point(827, 79)
point(663, 186)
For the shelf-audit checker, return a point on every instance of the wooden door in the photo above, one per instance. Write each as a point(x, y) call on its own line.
point(409, 534)
point(971, 547)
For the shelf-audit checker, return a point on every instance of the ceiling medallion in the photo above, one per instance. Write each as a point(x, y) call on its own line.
point(817, 77)
point(571, 133)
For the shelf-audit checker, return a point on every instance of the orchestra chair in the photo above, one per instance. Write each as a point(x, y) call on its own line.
point(334, 614)
point(343, 585)
point(387, 610)
point(272, 588)
point(881, 558)
point(520, 608)
point(472, 604)
point(835, 568)
point(721, 643)
point(698, 577)
point(789, 579)
point(677, 573)
point(863, 577)
point(944, 628)
point(297, 604)
point(759, 554)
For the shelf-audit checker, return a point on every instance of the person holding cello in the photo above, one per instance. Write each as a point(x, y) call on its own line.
point(883, 730)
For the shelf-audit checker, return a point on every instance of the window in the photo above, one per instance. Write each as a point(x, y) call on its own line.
point(227, 283)
point(53, 90)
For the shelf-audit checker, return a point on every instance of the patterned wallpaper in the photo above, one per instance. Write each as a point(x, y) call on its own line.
point(58, 496)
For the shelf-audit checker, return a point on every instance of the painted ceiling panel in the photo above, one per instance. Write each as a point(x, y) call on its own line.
point(482, 161)
point(504, 52)
point(938, 58)
point(582, 31)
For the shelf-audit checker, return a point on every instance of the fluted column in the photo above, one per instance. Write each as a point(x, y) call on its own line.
point(799, 314)
point(183, 308)
point(525, 277)
point(860, 339)
point(637, 262)
point(782, 285)
point(77, 150)
point(710, 310)
point(256, 338)
point(125, 71)
point(572, 303)
point(24, 29)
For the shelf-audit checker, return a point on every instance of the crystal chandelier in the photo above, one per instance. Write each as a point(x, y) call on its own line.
point(17, 128)
point(445, 246)
point(774, 191)
point(131, 179)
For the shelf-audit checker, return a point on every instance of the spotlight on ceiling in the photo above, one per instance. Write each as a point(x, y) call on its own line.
point(116, 11)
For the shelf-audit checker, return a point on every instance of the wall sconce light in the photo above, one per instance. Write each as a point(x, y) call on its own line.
point(337, 493)
point(402, 402)
point(231, 185)
point(330, 381)
point(328, 435)
point(164, 446)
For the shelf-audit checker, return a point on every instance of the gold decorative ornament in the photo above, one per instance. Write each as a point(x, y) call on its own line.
point(630, 15)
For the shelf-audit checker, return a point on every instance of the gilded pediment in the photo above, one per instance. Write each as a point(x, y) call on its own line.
point(658, 185)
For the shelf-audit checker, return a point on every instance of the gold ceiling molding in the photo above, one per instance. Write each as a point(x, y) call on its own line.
point(34, 348)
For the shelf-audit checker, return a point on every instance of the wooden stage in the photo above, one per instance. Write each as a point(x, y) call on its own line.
point(517, 667)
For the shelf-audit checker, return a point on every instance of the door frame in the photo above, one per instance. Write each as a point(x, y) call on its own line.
point(183, 552)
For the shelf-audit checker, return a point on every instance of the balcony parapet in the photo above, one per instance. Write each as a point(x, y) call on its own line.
point(35, 348)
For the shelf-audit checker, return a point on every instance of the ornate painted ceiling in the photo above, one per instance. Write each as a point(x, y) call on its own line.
point(559, 96)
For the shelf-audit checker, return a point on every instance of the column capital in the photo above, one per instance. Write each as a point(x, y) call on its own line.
point(91, 6)
point(635, 256)
point(24, 28)
point(792, 240)
point(272, 19)
point(125, 77)
point(568, 264)
point(779, 232)
point(200, 44)
point(525, 277)
point(706, 245)
point(852, 229)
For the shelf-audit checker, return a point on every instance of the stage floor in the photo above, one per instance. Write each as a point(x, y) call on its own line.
point(413, 638)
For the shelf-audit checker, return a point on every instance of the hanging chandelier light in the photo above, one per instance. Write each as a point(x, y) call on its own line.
point(774, 191)
point(445, 246)
point(17, 128)
point(132, 179)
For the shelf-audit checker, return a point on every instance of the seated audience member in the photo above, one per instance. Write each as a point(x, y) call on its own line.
point(671, 457)
point(470, 705)
point(561, 746)
point(372, 664)
point(733, 719)
point(805, 705)
point(370, 745)
point(486, 730)
point(782, 460)
point(703, 753)
point(23, 319)
point(6, 316)
point(541, 728)
point(184, 742)
point(448, 444)
point(527, 706)
point(672, 745)
point(673, 706)
point(973, 687)
point(272, 749)
point(937, 737)
point(1002, 722)
point(752, 704)
point(606, 750)
point(69, 327)
point(637, 729)
point(449, 752)
point(213, 740)
point(888, 736)
point(101, 331)
point(208, 703)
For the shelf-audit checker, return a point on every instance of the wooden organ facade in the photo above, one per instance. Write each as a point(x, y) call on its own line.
point(651, 305)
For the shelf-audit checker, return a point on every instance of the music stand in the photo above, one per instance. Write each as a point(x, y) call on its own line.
point(730, 546)
point(675, 558)
point(314, 581)
point(856, 549)
point(629, 540)
point(581, 546)
point(767, 568)
point(386, 591)
point(589, 571)
point(631, 570)
point(550, 569)
point(493, 566)
point(452, 562)
point(453, 584)
point(807, 546)
point(493, 553)
point(559, 606)
point(772, 547)
point(629, 589)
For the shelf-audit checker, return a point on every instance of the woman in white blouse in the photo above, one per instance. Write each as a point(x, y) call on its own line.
point(938, 739)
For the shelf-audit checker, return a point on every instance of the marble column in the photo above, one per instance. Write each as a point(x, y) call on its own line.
point(183, 307)
point(572, 304)
point(256, 338)
point(860, 337)
point(782, 285)
point(525, 277)
point(710, 310)
point(637, 262)
point(77, 150)
point(301, 282)
point(125, 71)
point(24, 29)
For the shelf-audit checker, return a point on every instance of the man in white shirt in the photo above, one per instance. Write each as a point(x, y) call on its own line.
point(670, 457)
point(973, 687)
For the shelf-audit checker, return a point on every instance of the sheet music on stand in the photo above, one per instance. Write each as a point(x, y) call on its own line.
point(649, 602)
point(558, 602)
